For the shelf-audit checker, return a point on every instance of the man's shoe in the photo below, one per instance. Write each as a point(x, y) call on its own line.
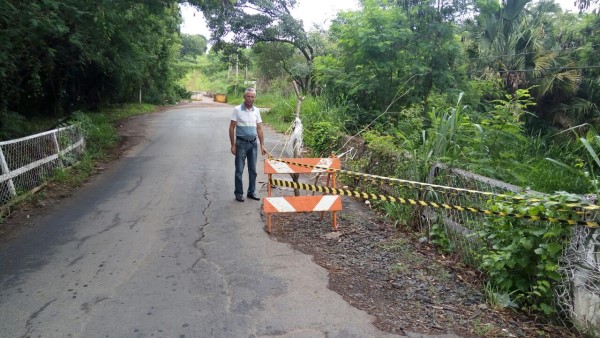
point(239, 198)
point(254, 197)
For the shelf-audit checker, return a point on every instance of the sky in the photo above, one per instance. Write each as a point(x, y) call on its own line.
point(310, 11)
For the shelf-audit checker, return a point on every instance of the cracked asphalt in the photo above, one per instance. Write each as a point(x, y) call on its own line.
point(156, 246)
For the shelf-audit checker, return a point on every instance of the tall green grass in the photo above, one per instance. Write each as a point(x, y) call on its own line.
point(282, 109)
point(582, 164)
point(100, 127)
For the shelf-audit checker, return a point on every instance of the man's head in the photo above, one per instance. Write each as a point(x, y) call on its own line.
point(249, 96)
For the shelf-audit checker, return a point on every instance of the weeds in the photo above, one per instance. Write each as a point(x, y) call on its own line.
point(398, 268)
point(76, 174)
point(497, 299)
point(395, 213)
point(485, 329)
point(399, 245)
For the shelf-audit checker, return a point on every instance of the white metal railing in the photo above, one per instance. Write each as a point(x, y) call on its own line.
point(25, 163)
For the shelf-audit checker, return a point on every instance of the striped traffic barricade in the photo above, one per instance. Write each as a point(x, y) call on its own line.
point(288, 204)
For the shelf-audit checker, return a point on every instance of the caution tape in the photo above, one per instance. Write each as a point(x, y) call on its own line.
point(409, 201)
point(447, 190)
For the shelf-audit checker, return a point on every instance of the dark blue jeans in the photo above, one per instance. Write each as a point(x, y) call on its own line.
point(245, 150)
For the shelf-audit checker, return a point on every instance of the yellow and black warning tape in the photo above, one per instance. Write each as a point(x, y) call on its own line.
point(444, 189)
point(409, 201)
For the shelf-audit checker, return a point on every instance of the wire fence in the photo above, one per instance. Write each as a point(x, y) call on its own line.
point(27, 162)
point(459, 226)
point(577, 297)
point(581, 264)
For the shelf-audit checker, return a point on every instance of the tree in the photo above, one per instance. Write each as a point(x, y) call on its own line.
point(525, 45)
point(386, 50)
point(193, 45)
point(62, 55)
point(583, 5)
point(254, 21)
point(581, 45)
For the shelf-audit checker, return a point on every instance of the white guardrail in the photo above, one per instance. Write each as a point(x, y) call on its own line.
point(27, 162)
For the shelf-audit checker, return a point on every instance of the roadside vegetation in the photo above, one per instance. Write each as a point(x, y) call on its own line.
point(508, 90)
point(102, 140)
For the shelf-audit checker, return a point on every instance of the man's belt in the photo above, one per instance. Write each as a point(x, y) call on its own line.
point(246, 140)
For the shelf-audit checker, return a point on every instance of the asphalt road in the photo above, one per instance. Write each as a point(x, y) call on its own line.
point(157, 247)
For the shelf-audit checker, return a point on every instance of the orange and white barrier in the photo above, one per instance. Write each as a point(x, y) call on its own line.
point(320, 203)
point(303, 203)
point(280, 167)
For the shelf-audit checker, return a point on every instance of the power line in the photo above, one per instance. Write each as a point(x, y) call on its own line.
point(570, 50)
point(545, 69)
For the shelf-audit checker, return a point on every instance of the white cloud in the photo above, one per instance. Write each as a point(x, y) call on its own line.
point(311, 12)
point(193, 21)
point(567, 5)
point(320, 12)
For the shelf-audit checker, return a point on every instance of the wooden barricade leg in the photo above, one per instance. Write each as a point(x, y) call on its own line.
point(333, 185)
point(269, 177)
point(326, 184)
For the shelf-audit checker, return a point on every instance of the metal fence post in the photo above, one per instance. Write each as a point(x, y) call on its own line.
point(57, 147)
point(6, 170)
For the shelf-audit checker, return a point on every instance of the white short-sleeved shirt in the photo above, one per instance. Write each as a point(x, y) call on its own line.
point(246, 120)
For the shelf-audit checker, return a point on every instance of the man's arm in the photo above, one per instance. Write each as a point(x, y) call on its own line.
point(259, 133)
point(232, 136)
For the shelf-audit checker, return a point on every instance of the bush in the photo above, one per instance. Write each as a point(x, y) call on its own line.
point(521, 260)
point(321, 138)
point(12, 125)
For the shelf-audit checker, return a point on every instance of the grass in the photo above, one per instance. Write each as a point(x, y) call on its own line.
point(77, 174)
point(398, 268)
point(101, 137)
point(399, 245)
point(281, 110)
point(396, 213)
point(497, 299)
point(321, 120)
point(100, 127)
point(485, 329)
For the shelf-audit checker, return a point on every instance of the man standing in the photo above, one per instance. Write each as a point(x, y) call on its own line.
point(244, 130)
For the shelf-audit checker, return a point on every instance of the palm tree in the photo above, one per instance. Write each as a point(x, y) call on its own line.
point(517, 44)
